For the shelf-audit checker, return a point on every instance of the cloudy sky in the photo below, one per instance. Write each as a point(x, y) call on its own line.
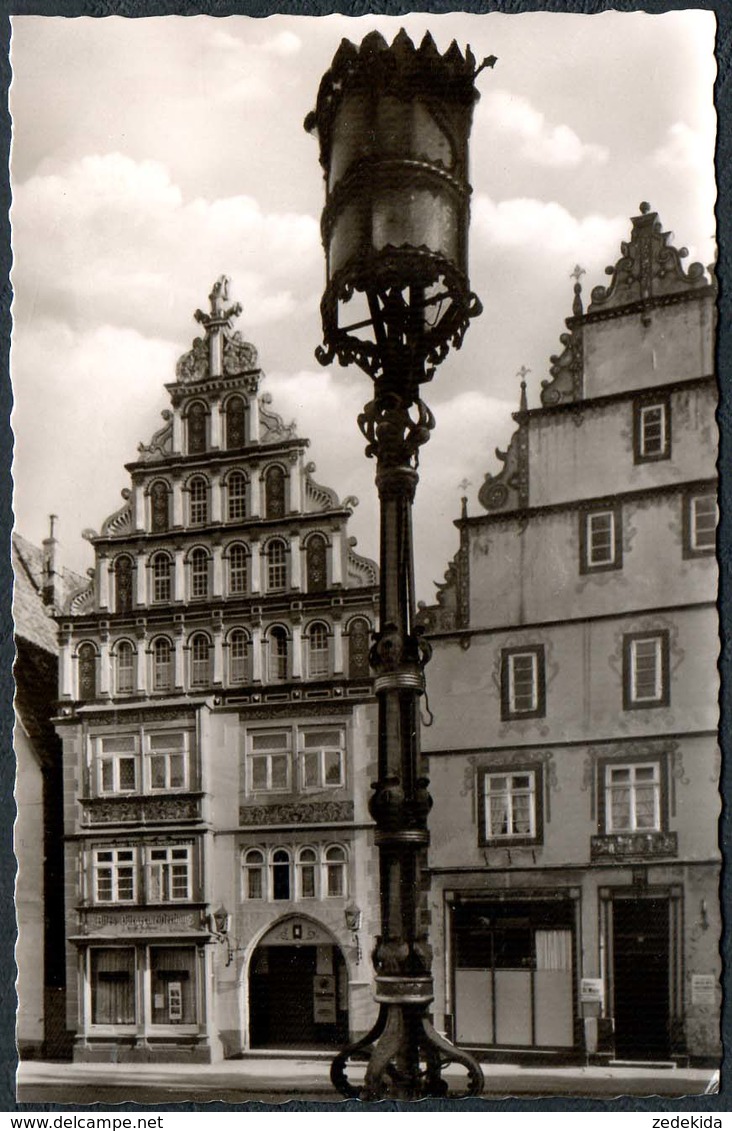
point(151, 156)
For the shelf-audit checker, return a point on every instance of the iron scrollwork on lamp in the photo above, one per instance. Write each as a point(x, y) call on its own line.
point(393, 125)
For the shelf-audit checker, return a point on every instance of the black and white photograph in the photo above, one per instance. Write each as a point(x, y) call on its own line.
point(365, 504)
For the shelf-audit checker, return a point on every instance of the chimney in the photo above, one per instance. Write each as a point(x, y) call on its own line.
point(51, 578)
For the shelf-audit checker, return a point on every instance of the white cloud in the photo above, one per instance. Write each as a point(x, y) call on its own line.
point(284, 44)
point(546, 226)
point(542, 142)
point(684, 148)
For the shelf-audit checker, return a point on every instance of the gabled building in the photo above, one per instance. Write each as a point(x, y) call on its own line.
point(573, 757)
point(218, 728)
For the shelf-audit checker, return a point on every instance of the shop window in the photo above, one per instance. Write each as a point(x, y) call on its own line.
point(278, 654)
point(335, 871)
point(510, 802)
point(645, 670)
point(235, 423)
point(632, 798)
point(159, 507)
point(652, 430)
point(359, 643)
point(200, 651)
point(117, 764)
point(200, 568)
point(236, 496)
point(125, 668)
point(316, 563)
point(274, 492)
point(523, 694)
point(112, 976)
point(162, 568)
point(601, 545)
point(269, 761)
point(87, 661)
point(162, 664)
point(196, 419)
point(173, 985)
point(276, 565)
point(238, 569)
point(307, 871)
point(254, 874)
point(123, 584)
point(700, 524)
point(114, 875)
point(281, 878)
point(168, 760)
point(240, 666)
point(318, 647)
point(321, 759)
point(198, 501)
point(168, 874)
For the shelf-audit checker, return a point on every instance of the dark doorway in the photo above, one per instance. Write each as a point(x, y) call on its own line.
point(641, 978)
point(298, 997)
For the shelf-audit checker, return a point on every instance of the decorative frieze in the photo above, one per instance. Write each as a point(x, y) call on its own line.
point(138, 810)
point(297, 813)
point(623, 846)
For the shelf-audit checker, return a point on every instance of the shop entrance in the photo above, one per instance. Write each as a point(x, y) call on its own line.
point(641, 978)
point(298, 997)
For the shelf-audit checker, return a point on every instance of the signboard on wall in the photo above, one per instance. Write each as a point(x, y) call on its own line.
point(591, 989)
point(703, 989)
point(324, 999)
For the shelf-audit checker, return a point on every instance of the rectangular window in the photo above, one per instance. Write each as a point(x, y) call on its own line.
point(652, 430)
point(112, 977)
point(167, 760)
point(173, 985)
point(522, 682)
point(700, 524)
point(117, 764)
point(322, 759)
point(601, 545)
point(269, 761)
point(511, 806)
point(632, 798)
point(645, 670)
point(168, 874)
point(114, 875)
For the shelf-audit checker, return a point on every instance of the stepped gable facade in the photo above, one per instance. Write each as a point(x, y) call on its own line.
point(574, 757)
point(217, 718)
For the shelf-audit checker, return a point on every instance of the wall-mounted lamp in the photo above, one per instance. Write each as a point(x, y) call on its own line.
point(220, 927)
point(353, 916)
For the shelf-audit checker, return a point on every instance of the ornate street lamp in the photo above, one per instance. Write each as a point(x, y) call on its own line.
point(393, 125)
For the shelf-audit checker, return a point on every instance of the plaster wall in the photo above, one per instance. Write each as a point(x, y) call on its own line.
point(28, 843)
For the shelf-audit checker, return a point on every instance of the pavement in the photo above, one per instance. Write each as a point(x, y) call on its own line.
point(305, 1077)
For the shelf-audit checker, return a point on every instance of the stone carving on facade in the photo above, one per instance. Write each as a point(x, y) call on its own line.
point(120, 810)
point(120, 522)
point(240, 357)
point(237, 355)
point(82, 601)
point(317, 497)
point(194, 365)
point(509, 490)
point(161, 444)
point(296, 813)
point(361, 571)
point(442, 617)
point(567, 368)
point(272, 426)
point(625, 845)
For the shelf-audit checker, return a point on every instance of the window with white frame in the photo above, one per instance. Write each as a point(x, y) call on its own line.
point(116, 758)
point(200, 650)
point(307, 873)
point(254, 874)
point(652, 430)
point(281, 871)
point(278, 654)
point(321, 758)
point(125, 667)
point(334, 865)
point(510, 801)
point(522, 682)
point(114, 875)
point(600, 539)
point(168, 873)
point(240, 666)
point(633, 798)
point(700, 524)
point(645, 669)
point(318, 650)
point(268, 760)
point(162, 656)
point(198, 501)
point(236, 496)
point(199, 572)
point(276, 565)
point(238, 571)
point(167, 760)
point(162, 569)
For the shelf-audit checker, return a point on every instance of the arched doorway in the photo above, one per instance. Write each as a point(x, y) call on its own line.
point(298, 988)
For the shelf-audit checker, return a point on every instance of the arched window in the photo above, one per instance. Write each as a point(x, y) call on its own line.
point(236, 496)
point(125, 668)
point(159, 507)
point(162, 570)
point(359, 633)
point(198, 501)
point(196, 428)
point(162, 665)
point(278, 649)
point(307, 873)
point(235, 426)
point(87, 671)
point(123, 584)
point(200, 661)
point(238, 579)
point(239, 657)
point(318, 651)
point(276, 564)
point(253, 878)
point(316, 566)
point(335, 871)
point(274, 493)
point(199, 572)
point(281, 874)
